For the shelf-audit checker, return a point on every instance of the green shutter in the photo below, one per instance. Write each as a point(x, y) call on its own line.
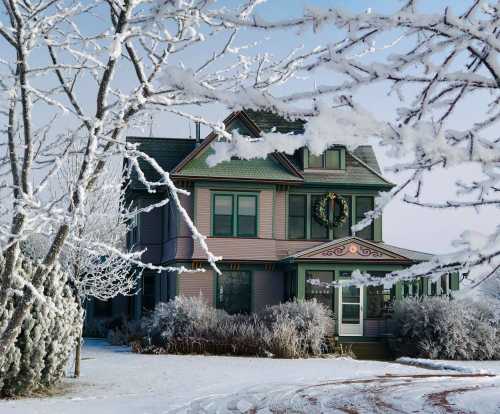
point(454, 281)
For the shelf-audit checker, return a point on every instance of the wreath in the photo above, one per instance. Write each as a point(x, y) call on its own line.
point(321, 210)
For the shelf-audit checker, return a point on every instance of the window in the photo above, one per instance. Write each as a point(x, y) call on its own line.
point(223, 215)
point(318, 230)
point(297, 209)
point(379, 299)
point(234, 292)
point(148, 292)
point(343, 229)
point(235, 215)
point(329, 160)
point(322, 294)
point(247, 215)
point(363, 205)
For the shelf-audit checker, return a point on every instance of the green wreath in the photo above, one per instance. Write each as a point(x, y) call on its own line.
point(321, 210)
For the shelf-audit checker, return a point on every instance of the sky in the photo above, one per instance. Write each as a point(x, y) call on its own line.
point(403, 224)
point(408, 226)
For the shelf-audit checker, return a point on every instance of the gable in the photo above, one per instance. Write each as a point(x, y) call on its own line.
point(350, 248)
point(274, 167)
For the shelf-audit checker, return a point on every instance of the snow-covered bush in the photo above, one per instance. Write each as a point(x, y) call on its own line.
point(301, 325)
point(440, 328)
point(190, 325)
point(38, 358)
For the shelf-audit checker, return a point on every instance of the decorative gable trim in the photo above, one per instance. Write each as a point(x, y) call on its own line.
point(349, 248)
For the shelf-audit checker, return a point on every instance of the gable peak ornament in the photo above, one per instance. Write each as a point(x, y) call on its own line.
point(321, 211)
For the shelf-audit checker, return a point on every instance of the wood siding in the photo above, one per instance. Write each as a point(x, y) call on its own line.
point(196, 284)
point(280, 210)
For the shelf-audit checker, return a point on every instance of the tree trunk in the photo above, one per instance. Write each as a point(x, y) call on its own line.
point(78, 356)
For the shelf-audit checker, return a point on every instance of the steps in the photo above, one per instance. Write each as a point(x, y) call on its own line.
point(369, 350)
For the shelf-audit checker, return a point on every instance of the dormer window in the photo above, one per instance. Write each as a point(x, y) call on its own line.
point(331, 159)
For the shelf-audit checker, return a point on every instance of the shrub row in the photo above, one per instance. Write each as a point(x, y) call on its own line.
point(190, 325)
point(440, 328)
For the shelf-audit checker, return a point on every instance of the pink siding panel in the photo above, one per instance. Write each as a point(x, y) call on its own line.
point(196, 284)
point(238, 249)
point(280, 215)
point(266, 214)
point(203, 210)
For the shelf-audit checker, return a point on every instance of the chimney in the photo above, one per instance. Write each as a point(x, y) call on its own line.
point(198, 133)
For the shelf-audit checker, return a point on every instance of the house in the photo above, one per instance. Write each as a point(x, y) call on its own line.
point(277, 222)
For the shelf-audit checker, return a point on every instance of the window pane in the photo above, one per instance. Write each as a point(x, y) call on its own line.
point(350, 294)
point(315, 161)
point(318, 230)
point(224, 204)
point(343, 229)
point(297, 217)
point(234, 292)
point(223, 215)
point(247, 216)
point(322, 294)
point(148, 292)
point(350, 314)
point(297, 205)
point(363, 205)
point(332, 159)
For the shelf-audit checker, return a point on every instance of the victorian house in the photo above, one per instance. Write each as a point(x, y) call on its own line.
point(277, 222)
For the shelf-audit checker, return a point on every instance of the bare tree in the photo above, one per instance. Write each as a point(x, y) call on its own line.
point(63, 82)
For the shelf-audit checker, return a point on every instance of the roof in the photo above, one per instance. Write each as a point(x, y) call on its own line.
point(262, 169)
point(268, 121)
point(340, 249)
point(183, 158)
point(168, 152)
point(411, 254)
point(366, 154)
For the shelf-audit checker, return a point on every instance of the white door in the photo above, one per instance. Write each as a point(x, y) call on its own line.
point(351, 311)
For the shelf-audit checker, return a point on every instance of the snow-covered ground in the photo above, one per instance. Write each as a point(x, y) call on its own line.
point(114, 380)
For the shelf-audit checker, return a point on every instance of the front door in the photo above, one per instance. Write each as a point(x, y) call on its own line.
point(351, 311)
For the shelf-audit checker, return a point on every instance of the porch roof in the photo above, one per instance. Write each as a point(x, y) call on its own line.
point(352, 248)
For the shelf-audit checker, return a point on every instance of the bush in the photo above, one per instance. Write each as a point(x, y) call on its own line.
point(190, 325)
point(440, 328)
point(302, 325)
point(38, 358)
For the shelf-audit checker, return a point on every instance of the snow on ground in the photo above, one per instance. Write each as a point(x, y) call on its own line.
point(114, 380)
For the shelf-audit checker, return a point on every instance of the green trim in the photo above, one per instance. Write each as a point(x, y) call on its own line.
point(234, 219)
point(324, 157)
point(237, 214)
point(217, 234)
